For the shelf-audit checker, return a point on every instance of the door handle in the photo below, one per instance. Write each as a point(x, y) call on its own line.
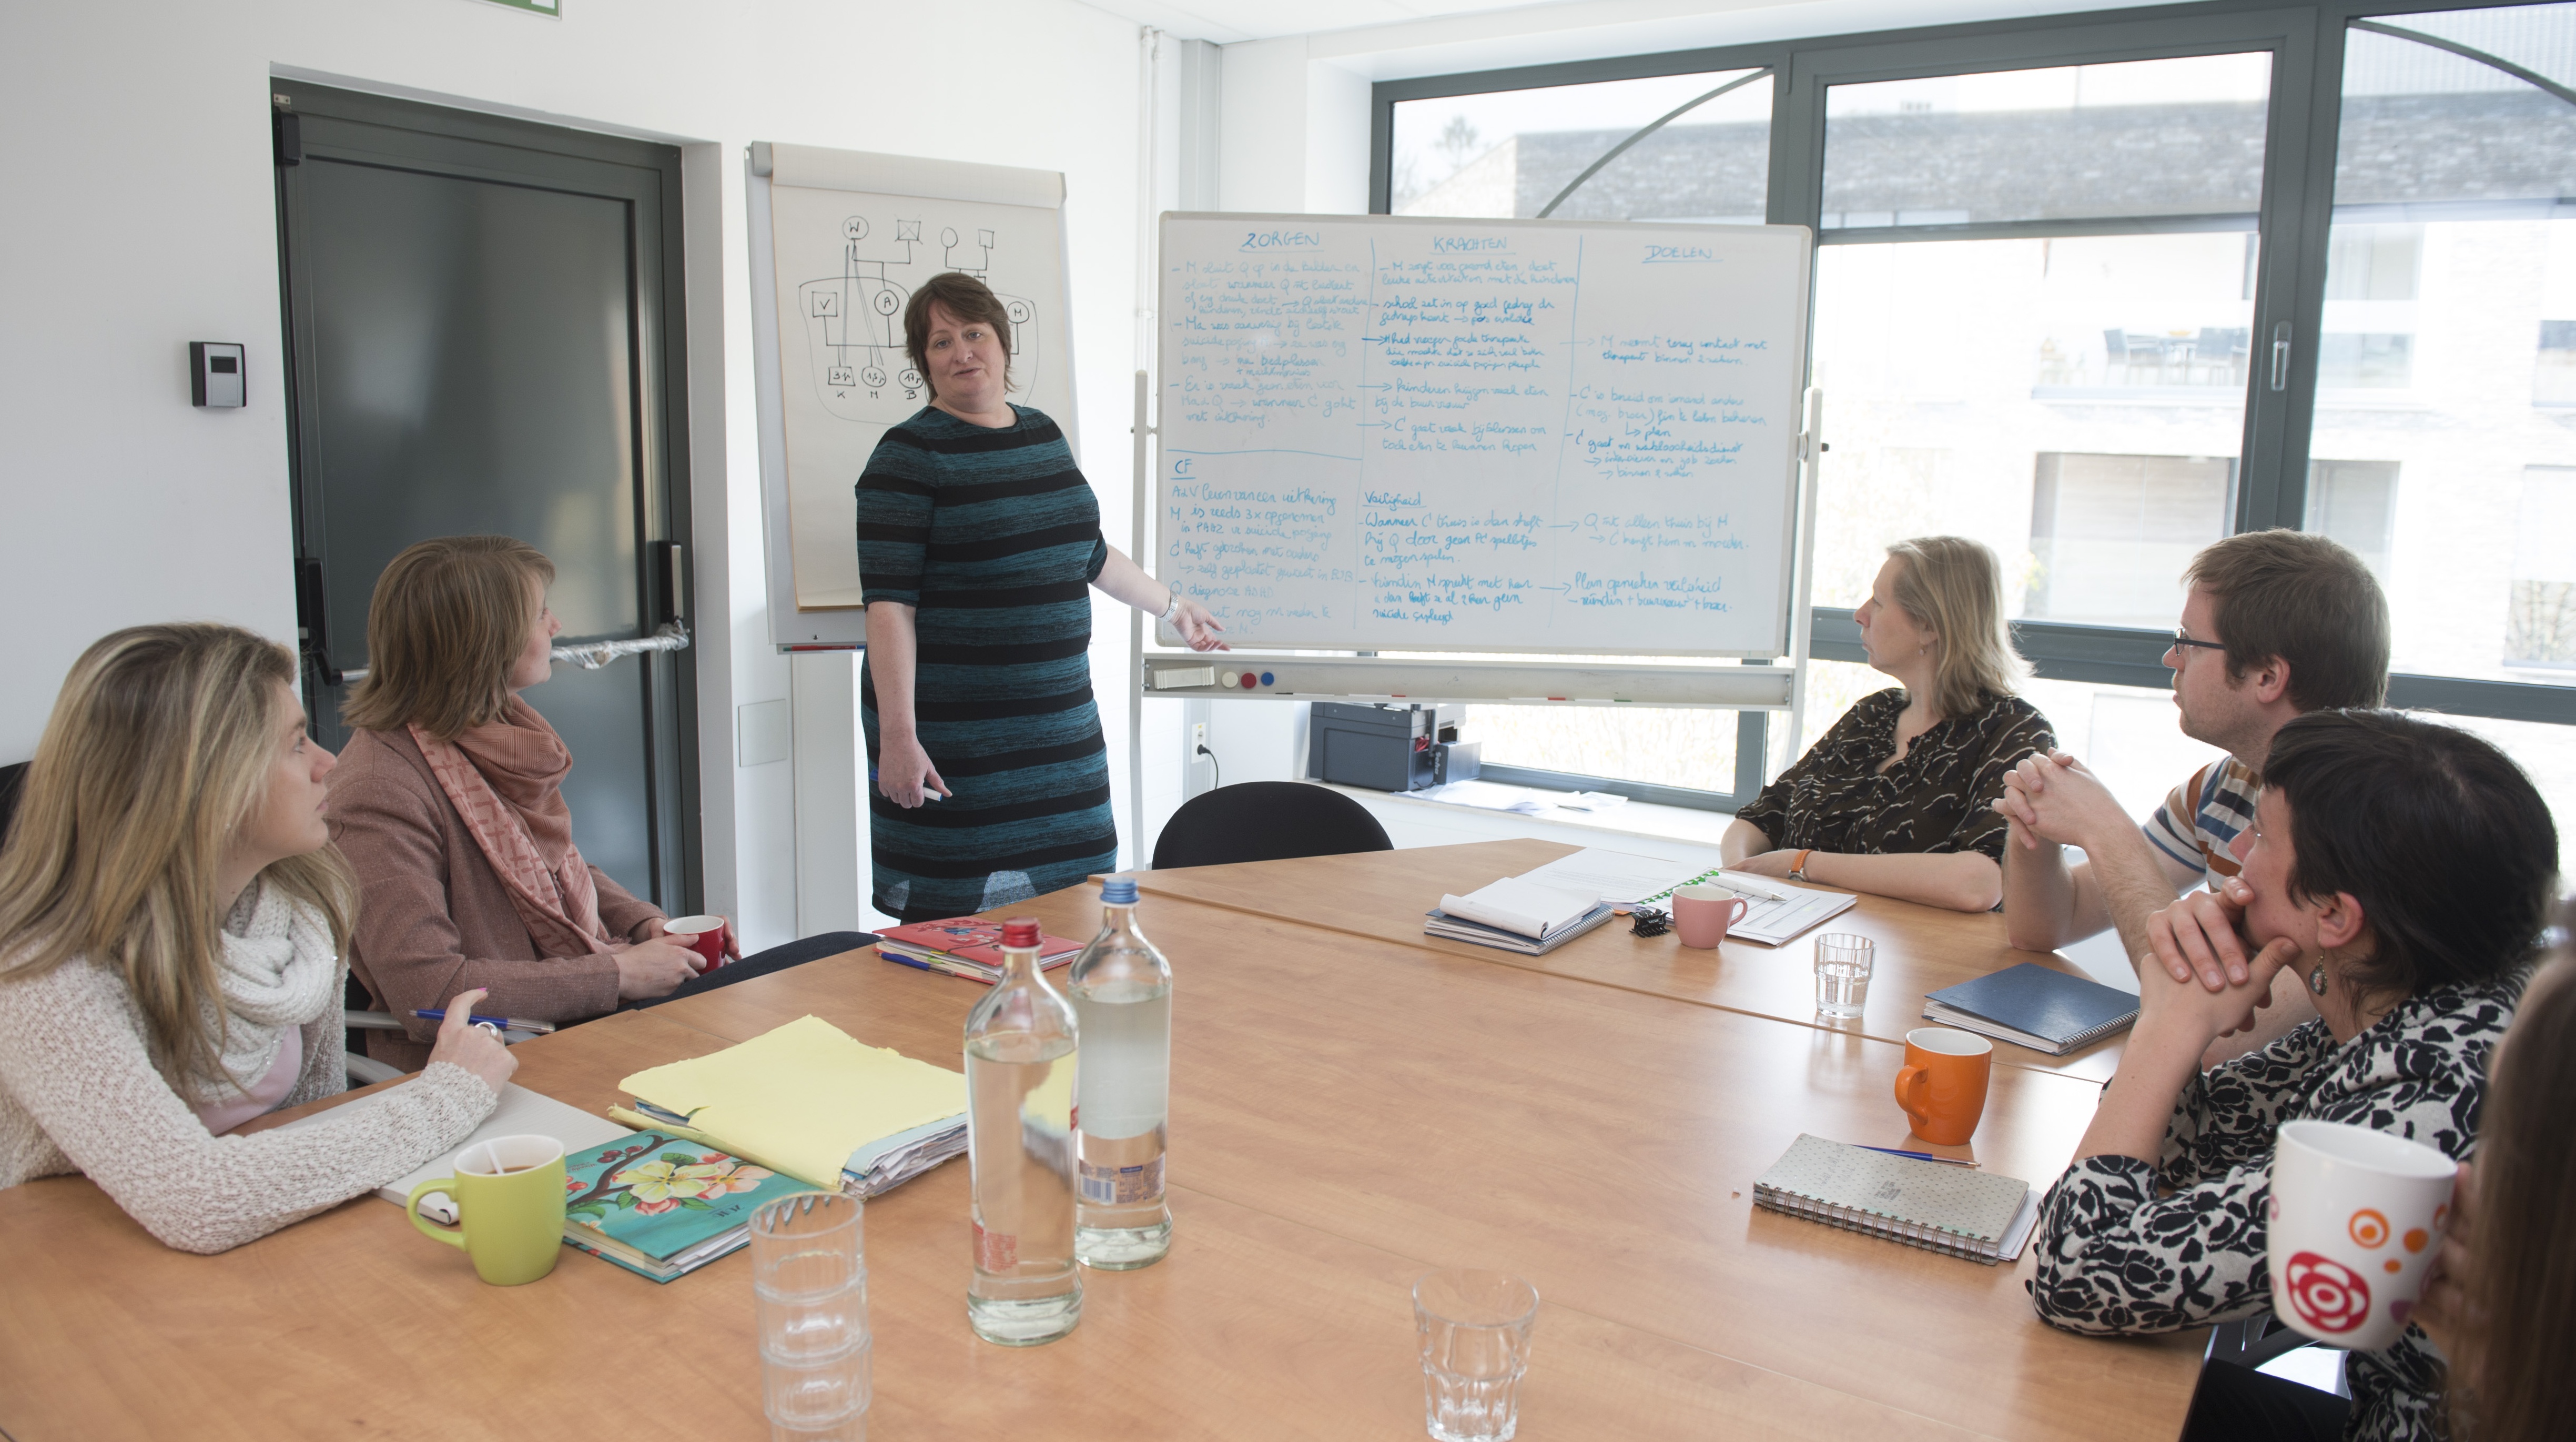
point(2281, 356)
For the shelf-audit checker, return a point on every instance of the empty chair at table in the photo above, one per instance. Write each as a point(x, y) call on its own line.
point(1266, 821)
point(176, 917)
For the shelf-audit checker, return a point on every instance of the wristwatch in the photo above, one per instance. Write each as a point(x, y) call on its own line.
point(1798, 867)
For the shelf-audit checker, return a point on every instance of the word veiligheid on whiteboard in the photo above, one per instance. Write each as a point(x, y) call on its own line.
point(1482, 435)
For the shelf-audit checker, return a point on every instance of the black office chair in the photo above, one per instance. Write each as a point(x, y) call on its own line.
point(1266, 821)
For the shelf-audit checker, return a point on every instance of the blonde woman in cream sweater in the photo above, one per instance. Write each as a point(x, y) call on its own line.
point(175, 921)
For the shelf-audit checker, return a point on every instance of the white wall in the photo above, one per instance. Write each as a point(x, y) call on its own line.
point(142, 216)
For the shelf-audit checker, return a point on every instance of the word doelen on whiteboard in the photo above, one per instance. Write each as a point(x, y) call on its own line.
point(1482, 434)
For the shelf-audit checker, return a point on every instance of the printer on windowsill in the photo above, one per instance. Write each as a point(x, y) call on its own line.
point(1388, 748)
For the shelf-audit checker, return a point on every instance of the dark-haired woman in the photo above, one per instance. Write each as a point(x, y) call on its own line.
point(2500, 1300)
point(2403, 870)
point(979, 541)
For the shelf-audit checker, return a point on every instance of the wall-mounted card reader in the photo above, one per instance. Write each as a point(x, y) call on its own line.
point(214, 373)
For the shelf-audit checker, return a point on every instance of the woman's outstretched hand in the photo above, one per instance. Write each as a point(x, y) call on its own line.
point(1198, 625)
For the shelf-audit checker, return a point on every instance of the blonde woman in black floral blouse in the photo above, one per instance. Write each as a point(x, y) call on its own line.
point(2403, 870)
point(1892, 799)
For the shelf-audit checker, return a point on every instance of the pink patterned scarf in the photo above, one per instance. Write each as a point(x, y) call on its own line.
point(505, 779)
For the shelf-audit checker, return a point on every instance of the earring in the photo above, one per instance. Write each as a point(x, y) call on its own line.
point(2317, 978)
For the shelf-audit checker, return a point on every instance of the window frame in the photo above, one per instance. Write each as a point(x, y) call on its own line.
point(2294, 219)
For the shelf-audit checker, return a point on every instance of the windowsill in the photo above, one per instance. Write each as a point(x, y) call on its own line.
point(1416, 821)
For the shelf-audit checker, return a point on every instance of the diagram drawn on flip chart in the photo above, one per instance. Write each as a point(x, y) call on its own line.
point(853, 321)
point(1482, 435)
point(841, 242)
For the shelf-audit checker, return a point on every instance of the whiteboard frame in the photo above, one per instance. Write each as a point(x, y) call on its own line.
point(1793, 482)
point(845, 628)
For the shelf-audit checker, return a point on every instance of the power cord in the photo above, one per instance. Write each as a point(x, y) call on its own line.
point(1212, 761)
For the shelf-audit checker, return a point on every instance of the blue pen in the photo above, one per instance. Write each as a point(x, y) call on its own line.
point(1918, 1156)
point(503, 1022)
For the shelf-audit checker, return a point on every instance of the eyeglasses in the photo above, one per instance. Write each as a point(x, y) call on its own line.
point(2180, 641)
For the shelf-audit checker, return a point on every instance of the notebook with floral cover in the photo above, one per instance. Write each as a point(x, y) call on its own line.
point(662, 1206)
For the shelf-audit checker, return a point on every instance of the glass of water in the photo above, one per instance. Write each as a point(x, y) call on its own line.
point(810, 1287)
point(1843, 963)
point(1475, 1333)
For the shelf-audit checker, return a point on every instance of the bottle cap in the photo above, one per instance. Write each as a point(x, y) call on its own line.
point(1118, 891)
point(1020, 931)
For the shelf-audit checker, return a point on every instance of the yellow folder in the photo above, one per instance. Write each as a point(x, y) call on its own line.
point(799, 1099)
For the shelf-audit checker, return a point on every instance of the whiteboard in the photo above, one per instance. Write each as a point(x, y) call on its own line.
point(839, 241)
point(1389, 432)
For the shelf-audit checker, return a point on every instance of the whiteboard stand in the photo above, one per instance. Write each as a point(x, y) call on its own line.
point(1142, 479)
point(1802, 601)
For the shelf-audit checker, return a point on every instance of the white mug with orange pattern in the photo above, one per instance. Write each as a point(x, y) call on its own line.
point(2354, 1218)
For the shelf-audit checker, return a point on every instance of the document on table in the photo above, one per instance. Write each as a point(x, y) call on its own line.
point(1617, 877)
point(1775, 912)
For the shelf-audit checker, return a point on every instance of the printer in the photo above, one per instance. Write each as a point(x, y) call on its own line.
point(1388, 748)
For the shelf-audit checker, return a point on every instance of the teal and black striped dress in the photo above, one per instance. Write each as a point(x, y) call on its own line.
point(994, 535)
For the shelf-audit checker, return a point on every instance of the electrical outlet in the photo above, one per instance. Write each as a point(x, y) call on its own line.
point(1198, 738)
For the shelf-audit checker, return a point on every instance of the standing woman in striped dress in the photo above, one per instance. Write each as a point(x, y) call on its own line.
point(979, 541)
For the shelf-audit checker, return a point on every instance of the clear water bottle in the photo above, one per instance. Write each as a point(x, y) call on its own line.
point(1020, 1060)
point(1122, 995)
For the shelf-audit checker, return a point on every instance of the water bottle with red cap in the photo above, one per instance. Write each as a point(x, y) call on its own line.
point(1021, 1143)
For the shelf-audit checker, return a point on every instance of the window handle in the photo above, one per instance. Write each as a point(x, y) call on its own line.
point(2281, 356)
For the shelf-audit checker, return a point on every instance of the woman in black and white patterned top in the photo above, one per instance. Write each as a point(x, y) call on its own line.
point(1893, 798)
point(2404, 869)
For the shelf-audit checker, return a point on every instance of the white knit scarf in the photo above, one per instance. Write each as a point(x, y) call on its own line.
point(278, 970)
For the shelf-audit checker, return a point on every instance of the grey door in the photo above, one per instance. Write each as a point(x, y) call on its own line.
point(482, 334)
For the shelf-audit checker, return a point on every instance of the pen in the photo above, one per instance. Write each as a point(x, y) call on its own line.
point(1918, 1156)
point(503, 1022)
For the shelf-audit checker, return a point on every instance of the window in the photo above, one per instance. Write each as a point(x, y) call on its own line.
point(2355, 502)
point(2109, 535)
point(1510, 152)
point(2071, 386)
point(2449, 248)
point(2540, 607)
point(2080, 297)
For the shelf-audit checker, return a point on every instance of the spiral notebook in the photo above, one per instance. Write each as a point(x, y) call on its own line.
point(1952, 1210)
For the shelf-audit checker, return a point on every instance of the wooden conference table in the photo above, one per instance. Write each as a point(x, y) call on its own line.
point(1348, 1111)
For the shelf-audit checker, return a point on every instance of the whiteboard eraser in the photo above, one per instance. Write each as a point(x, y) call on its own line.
point(1173, 678)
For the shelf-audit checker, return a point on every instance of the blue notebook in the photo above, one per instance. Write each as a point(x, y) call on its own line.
point(2030, 1005)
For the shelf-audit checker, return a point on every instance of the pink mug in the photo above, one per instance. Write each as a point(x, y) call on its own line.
point(1701, 914)
point(704, 935)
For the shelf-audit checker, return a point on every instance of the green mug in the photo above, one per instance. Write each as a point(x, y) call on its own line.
point(509, 1195)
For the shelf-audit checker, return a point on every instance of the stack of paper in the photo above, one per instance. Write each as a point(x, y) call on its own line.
point(807, 1100)
point(1517, 914)
point(964, 946)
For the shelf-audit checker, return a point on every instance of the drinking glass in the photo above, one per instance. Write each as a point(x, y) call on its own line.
point(809, 1279)
point(1843, 964)
point(1475, 1333)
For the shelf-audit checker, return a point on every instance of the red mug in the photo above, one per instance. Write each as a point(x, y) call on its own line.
point(704, 935)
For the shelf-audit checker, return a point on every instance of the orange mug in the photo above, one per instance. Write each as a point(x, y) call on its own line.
point(1701, 914)
point(1942, 1085)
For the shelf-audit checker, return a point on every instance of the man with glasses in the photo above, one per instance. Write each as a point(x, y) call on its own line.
point(2276, 623)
